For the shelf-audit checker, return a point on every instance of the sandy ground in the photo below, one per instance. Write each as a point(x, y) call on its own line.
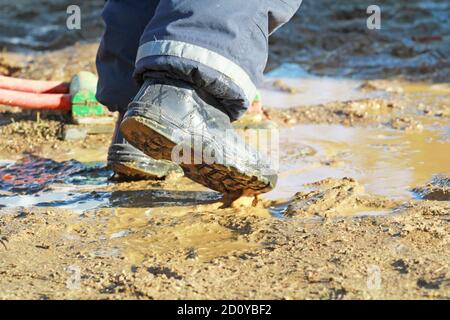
point(327, 237)
point(203, 252)
point(319, 248)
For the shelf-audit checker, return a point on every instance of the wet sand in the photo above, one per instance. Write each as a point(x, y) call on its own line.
point(361, 210)
point(318, 235)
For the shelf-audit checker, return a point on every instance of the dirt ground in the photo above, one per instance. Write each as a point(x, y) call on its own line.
point(330, 230)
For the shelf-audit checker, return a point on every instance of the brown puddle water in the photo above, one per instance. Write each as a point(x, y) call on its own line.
point(387, 162)
point(146, 233)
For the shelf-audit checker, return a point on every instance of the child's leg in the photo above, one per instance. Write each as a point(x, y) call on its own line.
point(218, 46)
point(125, 22)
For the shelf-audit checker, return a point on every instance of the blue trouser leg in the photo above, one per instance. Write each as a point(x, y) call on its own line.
point(219, 46)
point(125, 21)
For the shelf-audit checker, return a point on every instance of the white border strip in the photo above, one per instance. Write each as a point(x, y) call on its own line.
point(203, 56)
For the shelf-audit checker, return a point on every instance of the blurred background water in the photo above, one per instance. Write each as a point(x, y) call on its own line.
point(325, 37)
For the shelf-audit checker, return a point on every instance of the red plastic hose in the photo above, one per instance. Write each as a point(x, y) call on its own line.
point(36, 86)
point(53, 101)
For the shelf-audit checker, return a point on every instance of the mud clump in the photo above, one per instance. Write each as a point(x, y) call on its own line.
point(437, 189)
point(284, 87)
point(381, 85)
point(405, 123)
point(20, 136)
point(7, 69)
point(334, 197)
point(37, 130)
point(364, 112)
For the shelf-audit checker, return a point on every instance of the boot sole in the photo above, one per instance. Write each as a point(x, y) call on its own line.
point(144, 135)
point(127, 170)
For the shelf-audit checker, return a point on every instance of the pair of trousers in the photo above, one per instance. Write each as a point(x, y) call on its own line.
point(220, 47)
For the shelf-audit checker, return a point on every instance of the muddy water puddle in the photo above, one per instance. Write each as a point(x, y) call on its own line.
point(143, 233)
point(144, 221)
point(387, 162)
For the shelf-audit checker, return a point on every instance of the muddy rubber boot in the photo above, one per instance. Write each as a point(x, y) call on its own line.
point(127, 162)
point(169, 120)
